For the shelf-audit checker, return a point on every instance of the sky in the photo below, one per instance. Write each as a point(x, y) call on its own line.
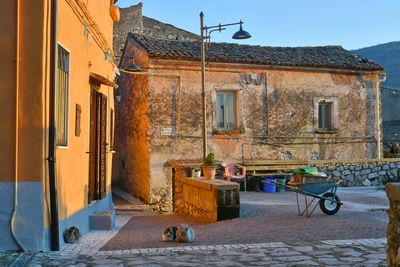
point(352, 24)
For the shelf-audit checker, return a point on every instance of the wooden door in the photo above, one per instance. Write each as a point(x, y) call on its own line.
point(98, 146)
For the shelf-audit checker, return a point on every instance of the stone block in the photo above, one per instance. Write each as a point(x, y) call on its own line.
point(102, 220)
point(385, 167)
point(346, 172)
point(365, 171)
point(225, 213)
point(373, 175)
point(366, 182)
point(220, 197)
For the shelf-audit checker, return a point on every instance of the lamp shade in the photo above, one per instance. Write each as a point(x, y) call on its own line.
point(241, 34)
point(133, 68)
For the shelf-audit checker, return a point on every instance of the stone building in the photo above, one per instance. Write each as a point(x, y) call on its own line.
point(132, 20)
point(275, 103)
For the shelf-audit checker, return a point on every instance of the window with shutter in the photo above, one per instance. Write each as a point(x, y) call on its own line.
point(61, 95)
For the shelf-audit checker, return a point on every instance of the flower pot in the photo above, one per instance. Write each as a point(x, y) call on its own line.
point(209, 172)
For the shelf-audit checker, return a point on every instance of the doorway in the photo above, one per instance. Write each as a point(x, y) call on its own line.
point(98, 146)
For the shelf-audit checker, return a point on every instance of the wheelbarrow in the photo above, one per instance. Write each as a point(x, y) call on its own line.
point(314, 187)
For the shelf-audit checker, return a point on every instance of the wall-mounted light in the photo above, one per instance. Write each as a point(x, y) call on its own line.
point(132, 69)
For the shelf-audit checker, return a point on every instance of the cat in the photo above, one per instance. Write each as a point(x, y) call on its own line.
point(169, 234)
point(182, 233)
point(72, 235)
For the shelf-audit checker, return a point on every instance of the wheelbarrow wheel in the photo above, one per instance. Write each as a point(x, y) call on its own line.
point(327, 206)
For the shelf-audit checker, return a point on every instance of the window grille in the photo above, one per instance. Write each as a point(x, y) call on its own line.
point(325, 115)
point(226, 106)
point(61, 102)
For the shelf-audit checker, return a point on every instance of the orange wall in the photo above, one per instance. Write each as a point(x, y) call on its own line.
point(85, 56)
point(30, 98)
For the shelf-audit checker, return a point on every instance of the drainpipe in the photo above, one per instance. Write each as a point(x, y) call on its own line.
point(382, 78)
point(15, 208)
point(55, 244)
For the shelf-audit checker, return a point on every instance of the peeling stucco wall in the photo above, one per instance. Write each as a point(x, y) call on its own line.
point(276, 116)
point(132, 168)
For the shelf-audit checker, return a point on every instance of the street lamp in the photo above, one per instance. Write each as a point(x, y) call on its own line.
point(205, 34)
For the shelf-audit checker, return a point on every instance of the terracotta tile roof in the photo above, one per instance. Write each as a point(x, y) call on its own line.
point(334, 57)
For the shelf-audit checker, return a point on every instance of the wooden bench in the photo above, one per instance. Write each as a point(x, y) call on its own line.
point(259, 169)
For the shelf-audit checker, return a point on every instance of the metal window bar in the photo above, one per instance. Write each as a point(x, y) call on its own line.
point(324, 115)
point(61, 97)
point(226, 110)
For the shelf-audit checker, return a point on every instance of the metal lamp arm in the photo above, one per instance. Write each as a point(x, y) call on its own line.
point(221, 25)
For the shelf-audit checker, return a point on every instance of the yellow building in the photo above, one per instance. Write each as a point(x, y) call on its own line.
point(56, 112)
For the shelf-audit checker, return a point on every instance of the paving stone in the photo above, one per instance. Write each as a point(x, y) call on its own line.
point(373, 255)
point(304, 263)
point(304, 248)
point(328, 261)
point(296, 258)
point(286, 254)
point(351, 259)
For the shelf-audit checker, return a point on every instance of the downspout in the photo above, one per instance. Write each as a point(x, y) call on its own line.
point(14, 212)
point(55, 239)
point(382, 78)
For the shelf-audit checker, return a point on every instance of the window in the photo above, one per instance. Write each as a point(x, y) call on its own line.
point(226, 110)
point(61, 95)
point(326, 114)
point(111, 129)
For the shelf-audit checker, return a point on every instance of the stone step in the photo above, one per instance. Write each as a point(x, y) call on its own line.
point(102, 220)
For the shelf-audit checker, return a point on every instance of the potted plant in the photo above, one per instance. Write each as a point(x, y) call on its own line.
point(209, 167)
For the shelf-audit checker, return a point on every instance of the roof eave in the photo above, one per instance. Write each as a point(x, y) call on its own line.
point(244, 65)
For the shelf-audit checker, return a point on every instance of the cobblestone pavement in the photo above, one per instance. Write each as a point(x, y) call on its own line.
point(269, 233)
point(268, 218)
point(366, 252)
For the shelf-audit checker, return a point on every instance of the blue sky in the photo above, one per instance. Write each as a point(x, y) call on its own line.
point(350, 23)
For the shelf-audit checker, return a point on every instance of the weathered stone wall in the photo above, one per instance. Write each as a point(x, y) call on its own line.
point(132, 20)
point(393, 230)
point(209, 200)
point(363, 173)
point(275, 110)
point(275, 116)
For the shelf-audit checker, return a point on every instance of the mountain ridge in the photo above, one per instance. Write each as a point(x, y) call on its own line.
point(388, 56)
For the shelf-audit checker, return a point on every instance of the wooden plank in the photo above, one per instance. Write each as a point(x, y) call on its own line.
point(272, 174)
point(262, 168)
point(274, 162)
point(317, 162)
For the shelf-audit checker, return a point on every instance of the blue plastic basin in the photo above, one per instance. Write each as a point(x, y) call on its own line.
point(269, 188)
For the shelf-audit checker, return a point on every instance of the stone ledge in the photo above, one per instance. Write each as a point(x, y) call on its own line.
point(102, 220)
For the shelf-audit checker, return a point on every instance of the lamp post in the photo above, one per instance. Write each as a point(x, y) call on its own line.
point(205, 34)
